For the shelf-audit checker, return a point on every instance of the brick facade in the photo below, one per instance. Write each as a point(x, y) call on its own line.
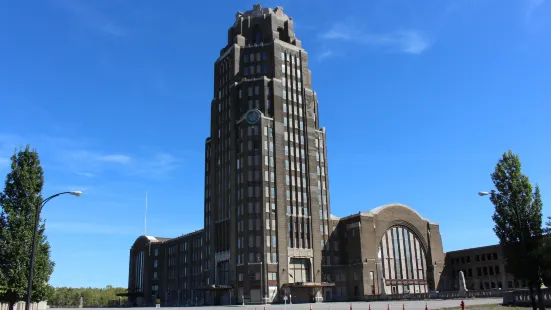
point(268, 229)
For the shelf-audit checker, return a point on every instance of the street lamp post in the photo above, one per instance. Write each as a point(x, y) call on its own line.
point(33, 246)
point(519, 223)
point(261, 263)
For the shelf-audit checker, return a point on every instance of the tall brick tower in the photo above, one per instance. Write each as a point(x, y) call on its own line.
point(266, 180)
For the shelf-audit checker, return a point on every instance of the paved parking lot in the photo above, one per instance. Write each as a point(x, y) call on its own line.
point(377, 305)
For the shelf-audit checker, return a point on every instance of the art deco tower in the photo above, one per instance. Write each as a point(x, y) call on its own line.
point(266, 180)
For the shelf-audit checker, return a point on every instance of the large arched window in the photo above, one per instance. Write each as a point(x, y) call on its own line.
point(403, 263)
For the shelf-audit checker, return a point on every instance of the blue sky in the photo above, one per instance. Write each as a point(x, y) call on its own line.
point(419, 101)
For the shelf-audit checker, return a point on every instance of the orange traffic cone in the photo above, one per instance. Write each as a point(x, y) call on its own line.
point(388, 306)
point(310, 307)
point(350, 306)
point(403, 307)
point(370, 307)
point(426, 306)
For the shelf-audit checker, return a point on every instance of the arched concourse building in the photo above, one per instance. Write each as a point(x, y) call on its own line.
point(388, 250)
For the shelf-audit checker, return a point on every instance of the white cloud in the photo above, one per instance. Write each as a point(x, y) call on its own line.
point(115, 158)
point(403, 41)
point(92, 18)
point(533, 5)
point(325, 54)
point(90, 228)
point(75, 156)
point(159, 166)
point(85, 174)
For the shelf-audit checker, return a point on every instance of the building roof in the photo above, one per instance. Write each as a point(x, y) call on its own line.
point(377, 210)
point(391, 205)
point(156, 239)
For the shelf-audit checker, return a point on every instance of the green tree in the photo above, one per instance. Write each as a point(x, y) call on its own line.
point(546, 249)
point(19, 201)
point(518, 221)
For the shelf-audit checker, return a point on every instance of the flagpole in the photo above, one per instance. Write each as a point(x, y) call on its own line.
point(145, 217)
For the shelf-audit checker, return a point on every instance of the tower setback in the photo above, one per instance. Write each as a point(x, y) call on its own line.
point(266, 184)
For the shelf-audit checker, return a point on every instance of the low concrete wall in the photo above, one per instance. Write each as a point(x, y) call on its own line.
point(437, 295)
point(522, 297)
point(469, 294)
point(418, 296)
point(43, 305)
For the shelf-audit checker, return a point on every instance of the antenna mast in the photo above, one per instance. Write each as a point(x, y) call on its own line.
point(145, 217)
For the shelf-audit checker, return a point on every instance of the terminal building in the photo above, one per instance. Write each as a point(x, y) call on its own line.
point(269, 234)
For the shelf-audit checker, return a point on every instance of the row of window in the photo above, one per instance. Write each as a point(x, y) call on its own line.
point(482, 271)
point(255, 275)
point(254, 258)
point(478, 258)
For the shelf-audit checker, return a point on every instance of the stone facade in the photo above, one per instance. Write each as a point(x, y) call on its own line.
point(483, 267)
point(268, 230)
point(355, 262)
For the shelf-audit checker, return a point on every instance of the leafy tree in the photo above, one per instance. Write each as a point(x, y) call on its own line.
point(19, 202)
point(518, 221)
point(546, 249)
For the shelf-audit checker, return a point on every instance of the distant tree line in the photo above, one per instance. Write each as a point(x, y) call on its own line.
point(68, 297)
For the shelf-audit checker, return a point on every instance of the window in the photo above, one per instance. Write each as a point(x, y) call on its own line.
point(246, 58)
point(284, 95)
point(288, 195)
point(245, 72)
